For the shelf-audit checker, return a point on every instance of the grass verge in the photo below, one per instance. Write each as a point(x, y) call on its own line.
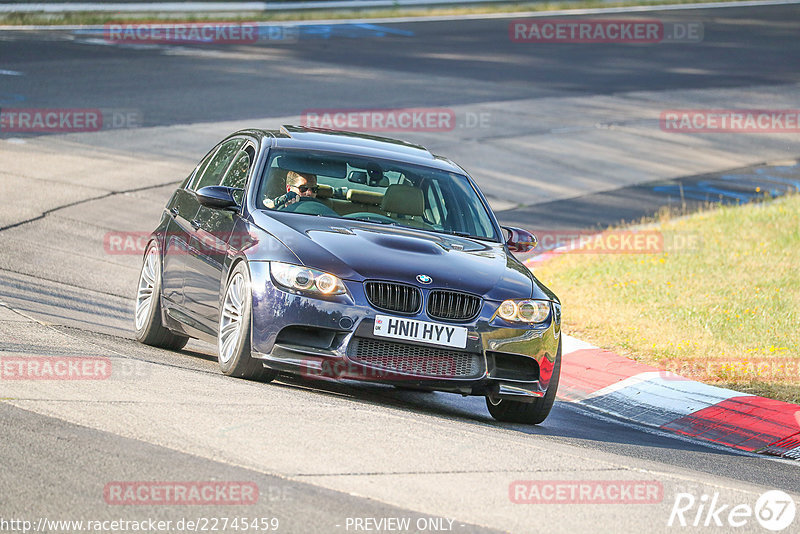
point(725, 312)
point(93, 18)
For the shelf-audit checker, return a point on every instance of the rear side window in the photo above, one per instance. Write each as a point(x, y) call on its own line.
point(198, 171)
point(213, 173)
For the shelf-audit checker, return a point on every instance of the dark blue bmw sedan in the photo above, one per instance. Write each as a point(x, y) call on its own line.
point(336, 255)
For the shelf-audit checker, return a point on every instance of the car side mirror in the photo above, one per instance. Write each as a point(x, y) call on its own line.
point(520, 240)
point(218, 197)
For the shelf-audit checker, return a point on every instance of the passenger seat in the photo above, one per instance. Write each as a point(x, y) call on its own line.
point(405, 203)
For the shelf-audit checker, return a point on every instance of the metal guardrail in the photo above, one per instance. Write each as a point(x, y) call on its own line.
point(184, 7)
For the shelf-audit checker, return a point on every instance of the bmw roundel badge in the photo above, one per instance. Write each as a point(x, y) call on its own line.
point(424, 279)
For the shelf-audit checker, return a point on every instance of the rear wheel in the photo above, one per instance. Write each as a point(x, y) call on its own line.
point(235, 323)
point(147, 318)
point(531, 413)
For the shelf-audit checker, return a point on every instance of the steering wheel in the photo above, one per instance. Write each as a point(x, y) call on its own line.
point(310, 206)
point(369, 216)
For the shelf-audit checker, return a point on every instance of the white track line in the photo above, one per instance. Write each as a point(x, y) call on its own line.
point(182, 7)
point(477, 16)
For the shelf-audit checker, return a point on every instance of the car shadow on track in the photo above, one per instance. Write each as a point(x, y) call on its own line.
point(568, 422)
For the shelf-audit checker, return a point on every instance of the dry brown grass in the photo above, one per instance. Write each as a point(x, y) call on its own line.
point(727, 313)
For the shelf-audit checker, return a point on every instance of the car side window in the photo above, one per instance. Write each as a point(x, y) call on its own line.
point(213, 173)
point(434, 211)
point(237, 174)
point(198, 172)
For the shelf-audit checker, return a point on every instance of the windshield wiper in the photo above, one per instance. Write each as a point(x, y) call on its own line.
point(370, 220)
point(468, 236)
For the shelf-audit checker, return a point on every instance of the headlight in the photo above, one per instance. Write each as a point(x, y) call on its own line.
point(524, 311)
point(305, 280)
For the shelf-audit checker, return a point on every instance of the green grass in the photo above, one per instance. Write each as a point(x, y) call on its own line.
point(86, 18)
point(727, 313)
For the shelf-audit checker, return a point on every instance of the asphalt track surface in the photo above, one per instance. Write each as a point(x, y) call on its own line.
point(323, 452)
point(403, 65)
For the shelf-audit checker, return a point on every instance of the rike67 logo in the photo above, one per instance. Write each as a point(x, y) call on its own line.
point(774, 510)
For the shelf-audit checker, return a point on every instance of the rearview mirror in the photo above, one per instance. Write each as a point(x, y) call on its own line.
point(520, 240)
point(357, 177)
point(217, 197)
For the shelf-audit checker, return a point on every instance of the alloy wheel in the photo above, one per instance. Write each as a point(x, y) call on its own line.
point(147, 284)
point(231, 319)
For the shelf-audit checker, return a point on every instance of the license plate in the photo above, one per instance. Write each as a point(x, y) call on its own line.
point(413, 330)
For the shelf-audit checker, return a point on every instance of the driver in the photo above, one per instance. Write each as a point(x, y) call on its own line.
point(302, 184)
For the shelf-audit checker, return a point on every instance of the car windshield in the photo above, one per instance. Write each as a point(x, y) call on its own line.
point(374, 190)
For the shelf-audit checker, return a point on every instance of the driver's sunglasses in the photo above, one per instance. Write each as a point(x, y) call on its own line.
point(304, 188)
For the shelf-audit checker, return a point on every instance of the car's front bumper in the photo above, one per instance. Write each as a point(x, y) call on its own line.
point(334, 338)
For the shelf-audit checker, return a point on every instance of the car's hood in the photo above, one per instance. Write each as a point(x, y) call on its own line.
point(357, 251)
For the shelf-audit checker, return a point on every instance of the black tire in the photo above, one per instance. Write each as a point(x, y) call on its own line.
point(240, 363)
point(150, 330)
point(530, 413)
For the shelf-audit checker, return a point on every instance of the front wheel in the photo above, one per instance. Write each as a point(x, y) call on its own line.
point(530, 413)
point(147, 318)
point(235, 322)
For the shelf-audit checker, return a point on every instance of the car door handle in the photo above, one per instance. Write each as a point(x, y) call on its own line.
point(173, 212)
point(195, 224)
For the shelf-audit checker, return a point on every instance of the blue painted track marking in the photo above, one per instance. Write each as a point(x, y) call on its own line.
point(326, 31)
point(698, 192)
point(9, 99)
point(267, 32)
point(730, 186)
point(768, 173)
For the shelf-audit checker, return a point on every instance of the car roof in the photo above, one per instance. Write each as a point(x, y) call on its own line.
point(351, 143)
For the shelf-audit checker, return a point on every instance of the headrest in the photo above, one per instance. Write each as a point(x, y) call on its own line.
point(404, 200)
point(276, 186)
point(364, 197)
point(324, 191)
